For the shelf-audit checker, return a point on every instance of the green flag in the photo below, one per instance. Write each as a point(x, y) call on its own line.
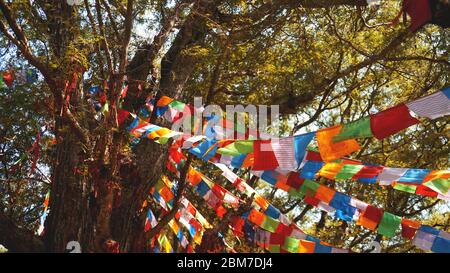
point(269, 224)
point(105, 107)
point(177, 105)
point(237, 148)
point(291, 244)
point(159, 185)
point(389, 224)
point(406, 188)
point(348, 171)
point(274, 248)
point(309, 188)
point(356, 129)
point(440, 185)
point(2, 83)
point(296, 193)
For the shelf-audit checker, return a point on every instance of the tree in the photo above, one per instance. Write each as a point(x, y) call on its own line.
point(323, 62)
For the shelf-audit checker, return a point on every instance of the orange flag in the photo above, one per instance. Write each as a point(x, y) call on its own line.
point(329, 150)
point(164, 101)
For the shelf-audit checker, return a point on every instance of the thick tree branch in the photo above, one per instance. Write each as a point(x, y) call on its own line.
point(17, 239)
point(21, 41)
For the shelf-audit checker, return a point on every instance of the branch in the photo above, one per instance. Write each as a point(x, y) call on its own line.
point(305, 98)
point(126, 36)
point(17, 239)
point(80, 131)
point(21, 42)
point(419, 58)
point(103, 35)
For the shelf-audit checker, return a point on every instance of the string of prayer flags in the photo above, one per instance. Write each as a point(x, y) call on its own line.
point(265, 221)
point(430, 239)
point(44, 215)
point(179, 234)
point(368, 216)
point(165, 244)
point(348, 208)
point(166, 190)
point(337, 141)
point(291, 241)
point(214, 194)
point(184, 215)
point(272, 219)
point(312, 168)
point(188, 212)
point(192, 225)
point(150, 221)
point(414, 181)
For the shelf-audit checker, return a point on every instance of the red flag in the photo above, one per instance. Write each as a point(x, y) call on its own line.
point(122, 116)
point(8, 78)
point(264, 156)
point(391, 121)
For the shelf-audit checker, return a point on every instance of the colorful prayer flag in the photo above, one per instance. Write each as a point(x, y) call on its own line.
point(330, 150)
point(356, 129)
point(389, 224)
point(391, 121)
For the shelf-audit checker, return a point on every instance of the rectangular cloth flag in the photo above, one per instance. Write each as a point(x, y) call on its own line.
point(285, 153)
point(389, 224)
point(310, 168)
point(368, 172)
point(294, 180)
point(301, 142)
point(325, 194)
point(441, 245)
point(438, 181)
point(389, 175)
point(330, 170)
point(409, 228)
point(205, 150)
point(415, 176)
point(329, 150)
point(433, 106)
point(424, 240)
point(391, 121)
point(406, 188)
point(264, 156)
point(348, 171)
point(291, 244)
point(237, 148)
point(356, 129)
point(370, 217)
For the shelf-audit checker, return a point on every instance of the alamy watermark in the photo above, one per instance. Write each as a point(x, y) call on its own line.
point(237, 122)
